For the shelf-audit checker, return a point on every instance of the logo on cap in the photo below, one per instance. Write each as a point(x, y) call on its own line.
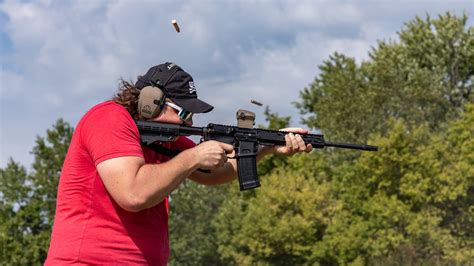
point(192, 88)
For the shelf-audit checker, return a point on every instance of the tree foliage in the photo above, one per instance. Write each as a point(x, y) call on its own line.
point(408, 204)
point(193, 207)
point(412, 199)
point(28, 199)
point(282, 222)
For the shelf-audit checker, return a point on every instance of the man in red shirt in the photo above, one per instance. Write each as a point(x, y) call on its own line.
point(112, 193)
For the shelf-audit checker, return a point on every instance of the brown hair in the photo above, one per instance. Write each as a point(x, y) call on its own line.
point(127, 96)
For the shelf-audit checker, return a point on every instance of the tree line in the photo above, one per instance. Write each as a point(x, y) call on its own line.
point(410, 203)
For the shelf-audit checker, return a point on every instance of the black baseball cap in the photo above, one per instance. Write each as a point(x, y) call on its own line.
point(177, 85)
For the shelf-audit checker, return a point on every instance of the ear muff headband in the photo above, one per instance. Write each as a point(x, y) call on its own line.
point(161, 78)
point(152, 98)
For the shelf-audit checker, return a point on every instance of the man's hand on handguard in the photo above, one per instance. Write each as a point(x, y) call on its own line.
point(294, 142)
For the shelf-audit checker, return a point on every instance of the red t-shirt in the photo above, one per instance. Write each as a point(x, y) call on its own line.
point(89, 226)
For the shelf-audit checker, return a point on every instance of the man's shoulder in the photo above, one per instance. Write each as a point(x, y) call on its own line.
point(108, 106)
point(107, 109)
point(107, 113)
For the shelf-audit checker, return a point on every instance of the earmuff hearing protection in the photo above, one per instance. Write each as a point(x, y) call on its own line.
point(152, 98)
point(150, 101)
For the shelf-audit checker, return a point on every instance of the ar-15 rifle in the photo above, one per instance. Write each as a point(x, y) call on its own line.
point(244, 138)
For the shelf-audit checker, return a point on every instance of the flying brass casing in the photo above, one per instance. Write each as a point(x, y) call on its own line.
point(175, 25)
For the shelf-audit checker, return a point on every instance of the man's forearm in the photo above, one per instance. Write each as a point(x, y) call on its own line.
point(154, 182)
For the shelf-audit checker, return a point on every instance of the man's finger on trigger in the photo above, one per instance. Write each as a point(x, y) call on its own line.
point(227, 147)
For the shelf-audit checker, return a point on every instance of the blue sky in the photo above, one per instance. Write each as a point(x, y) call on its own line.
point(59, 58)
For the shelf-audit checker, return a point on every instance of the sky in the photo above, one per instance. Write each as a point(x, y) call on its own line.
point(60, 58)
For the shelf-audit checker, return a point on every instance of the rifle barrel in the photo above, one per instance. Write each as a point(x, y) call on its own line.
point(352, 146)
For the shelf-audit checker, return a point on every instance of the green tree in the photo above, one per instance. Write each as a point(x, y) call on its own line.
point(280, 223)
point(451, 53)
point(409, 203)
point(28, 200)
point(425, 76)
point(193, 207)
